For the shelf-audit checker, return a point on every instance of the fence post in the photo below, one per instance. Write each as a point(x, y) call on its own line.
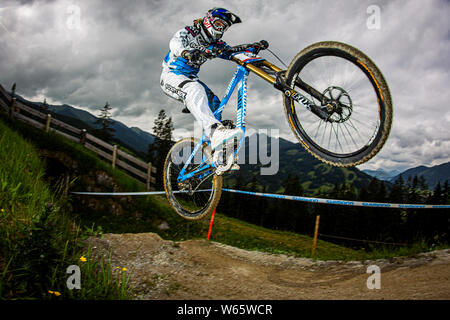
point(83, 137)
point(12, 108)
point(66, 184)
point(114, 157)
point(316, 232)
point(149, 174)
point(47, 124)
point(13, 101)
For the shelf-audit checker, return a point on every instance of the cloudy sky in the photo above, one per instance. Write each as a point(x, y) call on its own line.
point(85, 53)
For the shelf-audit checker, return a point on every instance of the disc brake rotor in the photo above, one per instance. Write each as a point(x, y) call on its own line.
point(338, 104)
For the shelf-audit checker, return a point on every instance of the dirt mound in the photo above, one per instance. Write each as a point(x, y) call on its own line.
point(200, 269)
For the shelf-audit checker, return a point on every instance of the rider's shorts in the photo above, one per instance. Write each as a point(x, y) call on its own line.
point(195, 95)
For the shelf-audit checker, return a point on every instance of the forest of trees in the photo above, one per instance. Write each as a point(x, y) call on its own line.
point(364, 223)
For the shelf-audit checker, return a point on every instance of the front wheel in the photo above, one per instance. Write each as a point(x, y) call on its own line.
point(349, 87)
point(198, 196)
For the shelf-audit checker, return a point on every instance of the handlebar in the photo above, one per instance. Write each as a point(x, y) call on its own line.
point(261, 45)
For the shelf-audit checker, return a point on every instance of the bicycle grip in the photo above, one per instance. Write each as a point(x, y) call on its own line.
point(264, 44)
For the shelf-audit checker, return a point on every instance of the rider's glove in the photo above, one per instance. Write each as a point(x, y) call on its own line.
point(191, 55)
point(241, 47)
point(261, 45)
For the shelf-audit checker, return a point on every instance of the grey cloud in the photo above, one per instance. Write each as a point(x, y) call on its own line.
point(116, 56)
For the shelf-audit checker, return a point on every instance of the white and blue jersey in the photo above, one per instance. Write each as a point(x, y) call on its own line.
point(179, 77)
point(189, 38)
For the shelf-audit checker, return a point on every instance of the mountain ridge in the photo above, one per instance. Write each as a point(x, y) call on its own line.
point(382, 174)
point(433, 175)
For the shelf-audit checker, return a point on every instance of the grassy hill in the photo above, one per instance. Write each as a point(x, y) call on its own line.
point(38, 237)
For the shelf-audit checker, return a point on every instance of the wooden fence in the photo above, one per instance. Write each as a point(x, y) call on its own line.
point(134, 167)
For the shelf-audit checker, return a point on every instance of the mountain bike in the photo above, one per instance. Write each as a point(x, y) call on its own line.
point(336, 101)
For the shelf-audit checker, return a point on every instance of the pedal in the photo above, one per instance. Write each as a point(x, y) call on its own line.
point(224, 159)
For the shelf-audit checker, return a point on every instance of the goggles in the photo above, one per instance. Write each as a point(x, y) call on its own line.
point(219, 24)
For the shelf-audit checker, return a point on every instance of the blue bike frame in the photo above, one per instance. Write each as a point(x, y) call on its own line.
point(239, 79)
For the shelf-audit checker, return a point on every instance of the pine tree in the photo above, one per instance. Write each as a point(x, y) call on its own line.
point(293, 214)
point(44, 107)
point(437, 194)
point(422, 183)
point(239, 204)
point(398, 192)
point(413, 195)
point(373, 188)
point(157, 151)
point(252, 212)
point(446, 193)
point(105, 132)
point(382, 192)
point(264, 207)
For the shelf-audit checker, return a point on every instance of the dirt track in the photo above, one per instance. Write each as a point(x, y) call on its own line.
point(198, 269)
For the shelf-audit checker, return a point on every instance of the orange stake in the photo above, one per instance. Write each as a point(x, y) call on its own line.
point(316, 233)
point(211, 223)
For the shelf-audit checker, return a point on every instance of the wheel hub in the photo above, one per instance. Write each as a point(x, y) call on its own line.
point(338, 104)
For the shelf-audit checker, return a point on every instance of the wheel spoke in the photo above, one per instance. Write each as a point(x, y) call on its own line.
point(194, 202)
point(354, 120)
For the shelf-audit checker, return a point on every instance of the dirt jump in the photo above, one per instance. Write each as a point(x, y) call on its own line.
point(206, 270)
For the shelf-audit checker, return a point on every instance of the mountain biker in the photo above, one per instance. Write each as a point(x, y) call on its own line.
point(182, 63)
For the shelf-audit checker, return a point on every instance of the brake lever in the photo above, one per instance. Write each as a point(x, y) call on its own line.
point(214, 53)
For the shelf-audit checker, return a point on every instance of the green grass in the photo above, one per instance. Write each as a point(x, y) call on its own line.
point(38, 239)
point(248, 236)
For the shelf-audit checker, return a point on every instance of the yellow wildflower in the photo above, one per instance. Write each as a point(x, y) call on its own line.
point(83, 259)
point(124, 269)
point(51, 292)
point(56, 293)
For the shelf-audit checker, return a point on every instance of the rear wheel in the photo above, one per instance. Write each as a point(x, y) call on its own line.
point(196, 197)
point(345, 83)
